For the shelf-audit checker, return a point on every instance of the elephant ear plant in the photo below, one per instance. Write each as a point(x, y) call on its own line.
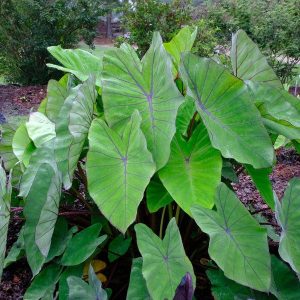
point(124, 177)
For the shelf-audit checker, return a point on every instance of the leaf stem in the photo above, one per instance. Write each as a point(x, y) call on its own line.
point(162, 222)
point(170, 211)
point(177, 214)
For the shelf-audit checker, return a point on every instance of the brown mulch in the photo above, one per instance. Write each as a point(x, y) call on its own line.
point(16, 100)
point(287, 167)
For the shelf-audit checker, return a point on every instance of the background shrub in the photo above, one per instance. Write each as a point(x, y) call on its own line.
point(28, 27)
point(273, 25)
point(142, 17)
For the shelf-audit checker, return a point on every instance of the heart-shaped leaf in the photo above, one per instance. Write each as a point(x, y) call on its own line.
point(248, 62)
point(164, 261)
point(146, 85)
point(193, 171)
point(119, 168)
point(235, 240)
point(78, 62)
point(288, 216)
point(223, 102)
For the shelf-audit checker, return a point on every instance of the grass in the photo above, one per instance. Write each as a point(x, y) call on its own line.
point(2, 80)
point(98, 51)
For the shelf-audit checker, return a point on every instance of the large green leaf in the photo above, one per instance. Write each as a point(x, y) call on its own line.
point(285, 285)
point(223, 102)
point(44, 283)
point(248, 62)
point(183, 41)
point(146, 85)
point(193, 171)
point(288, 216)
point(119, 168)
point(75, 252)
point(137, 289)
point(72, 126)
point(275, 102)
point(226, 289)
point(22, 145)
point(5, 198)
point(164, 261)
point(235, 240)
point(78, 62)
point(41, 211)
point(262, 182)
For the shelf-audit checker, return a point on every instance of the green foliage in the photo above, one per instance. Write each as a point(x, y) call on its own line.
point(5, 199)
point(288, 217)
point(238, 259)
point(273, 25)
point(28, 27)
point(79, 289)
point(124, 140)
point(164, 257)
point(140, 18)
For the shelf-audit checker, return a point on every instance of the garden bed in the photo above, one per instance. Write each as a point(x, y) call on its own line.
point(17, 100)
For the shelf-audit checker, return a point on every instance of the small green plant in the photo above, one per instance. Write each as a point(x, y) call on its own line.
point(142, 146)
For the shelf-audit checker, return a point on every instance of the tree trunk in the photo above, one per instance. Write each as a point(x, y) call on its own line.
point(109, 33)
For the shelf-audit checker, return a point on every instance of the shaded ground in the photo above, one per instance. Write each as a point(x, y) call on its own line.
point(16, 100)
point(287, 167)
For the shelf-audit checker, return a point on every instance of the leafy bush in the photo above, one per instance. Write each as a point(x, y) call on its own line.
point(273, 25)
point(28, 27)
point(133, 145)
point(142, 17)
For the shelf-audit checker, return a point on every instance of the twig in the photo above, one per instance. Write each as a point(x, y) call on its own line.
point(259, 210)
point(191, 125)
point(269, 224)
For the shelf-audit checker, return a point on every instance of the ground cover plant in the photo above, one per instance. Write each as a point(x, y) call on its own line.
point(127, 165)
